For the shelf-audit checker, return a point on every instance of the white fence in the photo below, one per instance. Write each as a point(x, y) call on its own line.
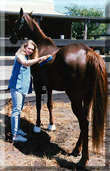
point(6, 63)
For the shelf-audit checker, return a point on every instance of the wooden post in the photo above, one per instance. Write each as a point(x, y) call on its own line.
point(107, 133)
point(107, 12)
point(71, 31)
point(85, 31)
point(2, 117)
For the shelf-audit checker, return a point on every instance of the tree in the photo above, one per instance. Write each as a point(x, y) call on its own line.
point(78, 27)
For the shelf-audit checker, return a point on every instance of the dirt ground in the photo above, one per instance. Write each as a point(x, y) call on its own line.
point(47, 149)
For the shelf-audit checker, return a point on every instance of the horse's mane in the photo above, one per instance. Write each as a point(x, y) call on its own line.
point(29, 21)
point(33, 25)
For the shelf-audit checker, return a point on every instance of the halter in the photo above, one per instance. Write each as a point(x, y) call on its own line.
point(40, 39)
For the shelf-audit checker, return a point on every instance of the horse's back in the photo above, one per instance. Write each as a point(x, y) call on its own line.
point(74, 59)
point(69, 69)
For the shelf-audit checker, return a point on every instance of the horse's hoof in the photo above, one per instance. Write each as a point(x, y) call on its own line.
point(36, 129)
point(81, 165)
point(75, 153)
point(80, 168)
point(51, 127)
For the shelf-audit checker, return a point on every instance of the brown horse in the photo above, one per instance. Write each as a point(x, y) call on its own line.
point(75, 69)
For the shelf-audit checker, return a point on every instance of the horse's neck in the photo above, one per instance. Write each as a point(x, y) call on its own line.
point(35, 37)
point(38, 34)
point(45, 44)
point(47, 49)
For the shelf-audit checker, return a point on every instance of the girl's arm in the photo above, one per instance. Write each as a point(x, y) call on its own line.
point(21, 59)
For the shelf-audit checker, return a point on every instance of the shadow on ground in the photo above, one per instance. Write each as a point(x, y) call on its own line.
point(39, 144)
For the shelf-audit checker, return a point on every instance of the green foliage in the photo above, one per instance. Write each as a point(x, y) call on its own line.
point(78, 27)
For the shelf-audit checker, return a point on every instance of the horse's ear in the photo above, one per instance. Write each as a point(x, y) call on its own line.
point(21, 12)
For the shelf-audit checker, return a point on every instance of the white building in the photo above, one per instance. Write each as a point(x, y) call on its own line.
point(35, 6)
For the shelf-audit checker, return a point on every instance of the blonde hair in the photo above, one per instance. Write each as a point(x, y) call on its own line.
point(21, 50)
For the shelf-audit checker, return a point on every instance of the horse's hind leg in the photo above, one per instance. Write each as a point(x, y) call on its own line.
point(84, 124)
point(85, 108)
point(81, 113)
point(51, 125)
point(77, 110)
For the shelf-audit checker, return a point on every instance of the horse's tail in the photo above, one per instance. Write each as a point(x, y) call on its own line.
point(99, 108)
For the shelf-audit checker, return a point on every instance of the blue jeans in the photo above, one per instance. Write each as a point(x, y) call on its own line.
point(17, 106)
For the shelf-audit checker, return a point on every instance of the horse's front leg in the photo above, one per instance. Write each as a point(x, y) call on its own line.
point(37, 128)
point(51, 126)
point(77, 150)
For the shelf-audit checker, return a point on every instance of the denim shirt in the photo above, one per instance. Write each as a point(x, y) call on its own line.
point(20, 78)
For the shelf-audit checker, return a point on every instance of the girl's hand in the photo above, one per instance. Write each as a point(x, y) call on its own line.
point(43, 58)
point(48, 58)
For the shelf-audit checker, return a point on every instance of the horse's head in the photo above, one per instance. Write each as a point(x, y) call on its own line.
point(27, 27)
point(21, 28)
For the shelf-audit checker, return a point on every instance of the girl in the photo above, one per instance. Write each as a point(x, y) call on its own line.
point(20, 84)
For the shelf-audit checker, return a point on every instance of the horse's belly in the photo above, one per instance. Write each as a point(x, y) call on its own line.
point(56, 82)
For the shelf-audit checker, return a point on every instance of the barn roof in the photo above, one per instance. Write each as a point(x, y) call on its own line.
point(36, 6)
point(44, 9)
